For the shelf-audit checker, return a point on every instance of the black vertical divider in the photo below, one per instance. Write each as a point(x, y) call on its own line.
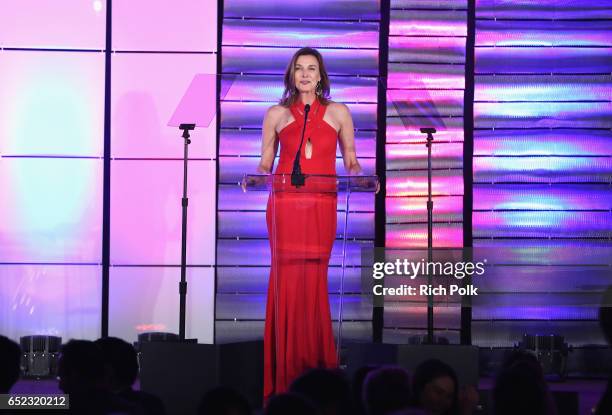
point(107, 172)
point(220, 14)
point(468, 153)
point(381, 159)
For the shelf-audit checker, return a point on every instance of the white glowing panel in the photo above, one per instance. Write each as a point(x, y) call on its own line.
point(179, 25)
point(146, 212)
point(51, 103)
point(147, 299)
point(146, 89)
point(66, 24)
point(54, 300)
point(51, 210)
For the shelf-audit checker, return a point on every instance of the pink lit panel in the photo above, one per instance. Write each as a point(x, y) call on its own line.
point(428, 23)
point(180, 25)
point(146, 212)
point(397, 132)
point(65, 24)
point(50, 299)
point(415, 235)
point(414, 209)
point(146, 89)
point(51, 210)
point(444, 183)
point(147, 299)
point(424, 76)
point(51, 103)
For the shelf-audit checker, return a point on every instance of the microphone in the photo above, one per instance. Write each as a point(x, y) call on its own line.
point(297, 178)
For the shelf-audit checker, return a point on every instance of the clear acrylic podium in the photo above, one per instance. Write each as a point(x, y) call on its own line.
point(337, 190)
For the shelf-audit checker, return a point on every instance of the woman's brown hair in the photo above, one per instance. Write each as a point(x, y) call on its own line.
point(290, 94)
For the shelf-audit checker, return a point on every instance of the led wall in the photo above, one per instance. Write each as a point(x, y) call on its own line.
point(51, 148)
point(52, 112)
point(542, 169)
point(426, 72)
point(258, 41)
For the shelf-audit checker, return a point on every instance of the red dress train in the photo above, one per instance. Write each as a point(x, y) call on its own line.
point(302, 228)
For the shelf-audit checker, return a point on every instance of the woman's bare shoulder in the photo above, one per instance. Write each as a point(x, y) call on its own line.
point(338, 110)
point(276, 112)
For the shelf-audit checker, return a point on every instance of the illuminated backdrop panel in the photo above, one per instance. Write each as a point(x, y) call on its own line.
point(542, 152)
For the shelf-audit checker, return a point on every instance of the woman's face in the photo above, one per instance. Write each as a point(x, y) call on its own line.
point(306, 73)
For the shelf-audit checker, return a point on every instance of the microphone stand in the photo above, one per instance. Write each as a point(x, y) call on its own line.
point(430, 300)
point(297, 178)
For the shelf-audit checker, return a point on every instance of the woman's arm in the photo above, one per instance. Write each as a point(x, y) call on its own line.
point(347, 139)
point(269, 139)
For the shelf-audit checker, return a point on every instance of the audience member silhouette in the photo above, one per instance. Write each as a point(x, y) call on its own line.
point(10, 357)
point(604, 407)
point(82, 375)
point(224, 400)
point(357, 387)
point(386, 390)
point(122, 370)
point(290, 404)
point(436, 388)
point(520, 387)
point(328, 389)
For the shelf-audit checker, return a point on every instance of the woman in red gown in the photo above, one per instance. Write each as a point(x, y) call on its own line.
point(302, 225)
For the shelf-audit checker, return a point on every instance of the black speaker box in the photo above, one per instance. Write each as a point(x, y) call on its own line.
point(463, 359)
point(180, 373)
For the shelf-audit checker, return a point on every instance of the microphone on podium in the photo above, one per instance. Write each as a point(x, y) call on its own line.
point(297, 178)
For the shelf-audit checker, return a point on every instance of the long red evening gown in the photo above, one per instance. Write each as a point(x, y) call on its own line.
point(302, 227)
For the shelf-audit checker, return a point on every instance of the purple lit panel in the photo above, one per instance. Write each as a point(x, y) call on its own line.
point(398, 133)
point(255, 279)
point(562, 142)
point(549, 114)
point(263, 60)
point(543, 60)
point(495, 311)
point(542, 224)
point(543, 88)
point(51, 210)
point(269, 88)
point(545, 252)
point(424, 76)
point(542, 169)
point(542, 197)
point(146, 90)
point(253, 224)
point(427, 49)
point(414, 156)
point(444, 183)
point(428, 103)
point(544, 9)
point(157, 305)
point(402, 314)
point(543, 33)
point(251, 114)
point(415, 235)
point(183, 25)
point(248, 143)
point(53, 24)
point(233, 169)
point(315, 34)
point(257, 252)
point(318, 9)
point(52, 300)
point(51, 103)
point(428, 23)
point(414, 209)
point(232, 198)
point(429, 4)
point(146, 212)
point(253, 307)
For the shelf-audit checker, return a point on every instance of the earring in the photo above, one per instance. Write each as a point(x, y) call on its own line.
point(319, 89)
